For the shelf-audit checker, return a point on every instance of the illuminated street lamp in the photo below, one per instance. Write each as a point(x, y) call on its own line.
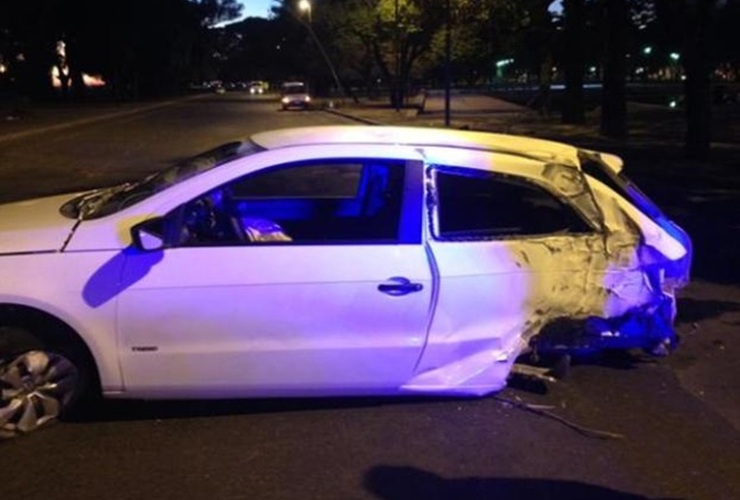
point(305, 6)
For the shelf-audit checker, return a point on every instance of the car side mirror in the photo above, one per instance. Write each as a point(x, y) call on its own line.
point(148, 236)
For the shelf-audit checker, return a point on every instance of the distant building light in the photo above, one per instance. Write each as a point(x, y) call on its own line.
point(647, 50)
point(592, 69)
point(675, 56)
point(504, 62)
point(3, 68)
point(673, 103)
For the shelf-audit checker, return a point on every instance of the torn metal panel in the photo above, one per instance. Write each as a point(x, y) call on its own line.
point(648, 327)
point(571, 184)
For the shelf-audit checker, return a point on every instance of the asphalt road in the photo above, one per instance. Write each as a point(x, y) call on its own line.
point(670, 435)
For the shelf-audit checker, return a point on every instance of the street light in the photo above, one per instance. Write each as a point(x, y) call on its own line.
point(448, 68)
point(305, 6)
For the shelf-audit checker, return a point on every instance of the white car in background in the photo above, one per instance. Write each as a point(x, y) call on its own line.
point(330, 261)
point(294, 95)
point(257, 87)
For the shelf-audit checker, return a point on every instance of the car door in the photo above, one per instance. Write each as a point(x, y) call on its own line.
point(310, 278)
point(508, 253)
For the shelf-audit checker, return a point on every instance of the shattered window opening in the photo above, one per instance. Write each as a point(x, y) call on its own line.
point(622, 185)
point(485, 205)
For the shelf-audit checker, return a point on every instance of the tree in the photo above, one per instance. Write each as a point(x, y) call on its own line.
point(699, 63)
point(614, 96)
point(394, 35)
point(536, 48)
point(574, 60)
point(695, 24)
point(142, 47)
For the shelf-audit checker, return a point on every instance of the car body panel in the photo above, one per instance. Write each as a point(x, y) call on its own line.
point(284, 319)
point(69, 286)
point(34, 225)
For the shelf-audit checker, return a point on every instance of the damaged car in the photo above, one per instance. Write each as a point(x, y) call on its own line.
point(330, 261)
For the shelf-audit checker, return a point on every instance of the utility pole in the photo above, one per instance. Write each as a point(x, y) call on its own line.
point(448, 71)
point(397, 69)
point(305, 6)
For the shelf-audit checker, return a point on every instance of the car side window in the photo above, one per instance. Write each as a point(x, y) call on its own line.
point(474, 205)
point(318, 202)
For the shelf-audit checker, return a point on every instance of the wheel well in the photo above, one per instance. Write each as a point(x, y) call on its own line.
point(48, 330)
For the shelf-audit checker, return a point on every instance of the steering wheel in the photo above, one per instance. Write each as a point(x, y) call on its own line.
point(199, 221)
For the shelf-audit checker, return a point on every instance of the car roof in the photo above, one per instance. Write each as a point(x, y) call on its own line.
point(538, 149)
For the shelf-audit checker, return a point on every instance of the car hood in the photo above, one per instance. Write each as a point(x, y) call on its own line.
point(34, 225)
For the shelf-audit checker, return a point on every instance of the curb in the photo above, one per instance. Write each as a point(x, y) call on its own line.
point(359, 119)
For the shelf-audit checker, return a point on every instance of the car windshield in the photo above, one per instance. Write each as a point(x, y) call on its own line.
point(102, 202)
point(294, 88)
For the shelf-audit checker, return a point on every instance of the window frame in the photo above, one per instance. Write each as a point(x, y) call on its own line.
point(409, 226)
point(433, 204)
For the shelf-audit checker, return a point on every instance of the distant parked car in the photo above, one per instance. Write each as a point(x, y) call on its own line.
point(339, 260)
point(294, 95)
point(257, 87)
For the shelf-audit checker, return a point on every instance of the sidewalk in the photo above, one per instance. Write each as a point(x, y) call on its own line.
point(647, 123)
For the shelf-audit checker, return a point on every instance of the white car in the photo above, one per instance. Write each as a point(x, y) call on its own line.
point(294, 95)
point(257, 87)
point(341, 260)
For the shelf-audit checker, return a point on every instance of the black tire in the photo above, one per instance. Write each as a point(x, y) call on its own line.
point(40, 381)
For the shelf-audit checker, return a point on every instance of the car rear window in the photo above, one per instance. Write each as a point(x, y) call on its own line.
point(484, 205)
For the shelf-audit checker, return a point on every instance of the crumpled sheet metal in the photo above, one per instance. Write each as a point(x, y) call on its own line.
point(614, 296)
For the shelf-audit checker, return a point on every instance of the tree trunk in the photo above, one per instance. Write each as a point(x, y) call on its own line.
point(614, 95)
point(545, 83)
point(574, 61)
point(698, 88)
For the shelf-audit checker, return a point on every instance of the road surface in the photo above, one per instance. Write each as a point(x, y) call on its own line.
point(671, 442)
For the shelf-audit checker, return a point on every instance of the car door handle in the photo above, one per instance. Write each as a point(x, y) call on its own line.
point(398, 286)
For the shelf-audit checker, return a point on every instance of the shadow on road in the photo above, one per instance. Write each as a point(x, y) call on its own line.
point(694, 311)
point(130, 410)
point(115, 410)
point(401, 483)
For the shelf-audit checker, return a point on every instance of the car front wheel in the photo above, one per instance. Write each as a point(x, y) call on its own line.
point(37, 387)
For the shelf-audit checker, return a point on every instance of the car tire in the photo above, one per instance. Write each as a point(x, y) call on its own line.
point(39, 382)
